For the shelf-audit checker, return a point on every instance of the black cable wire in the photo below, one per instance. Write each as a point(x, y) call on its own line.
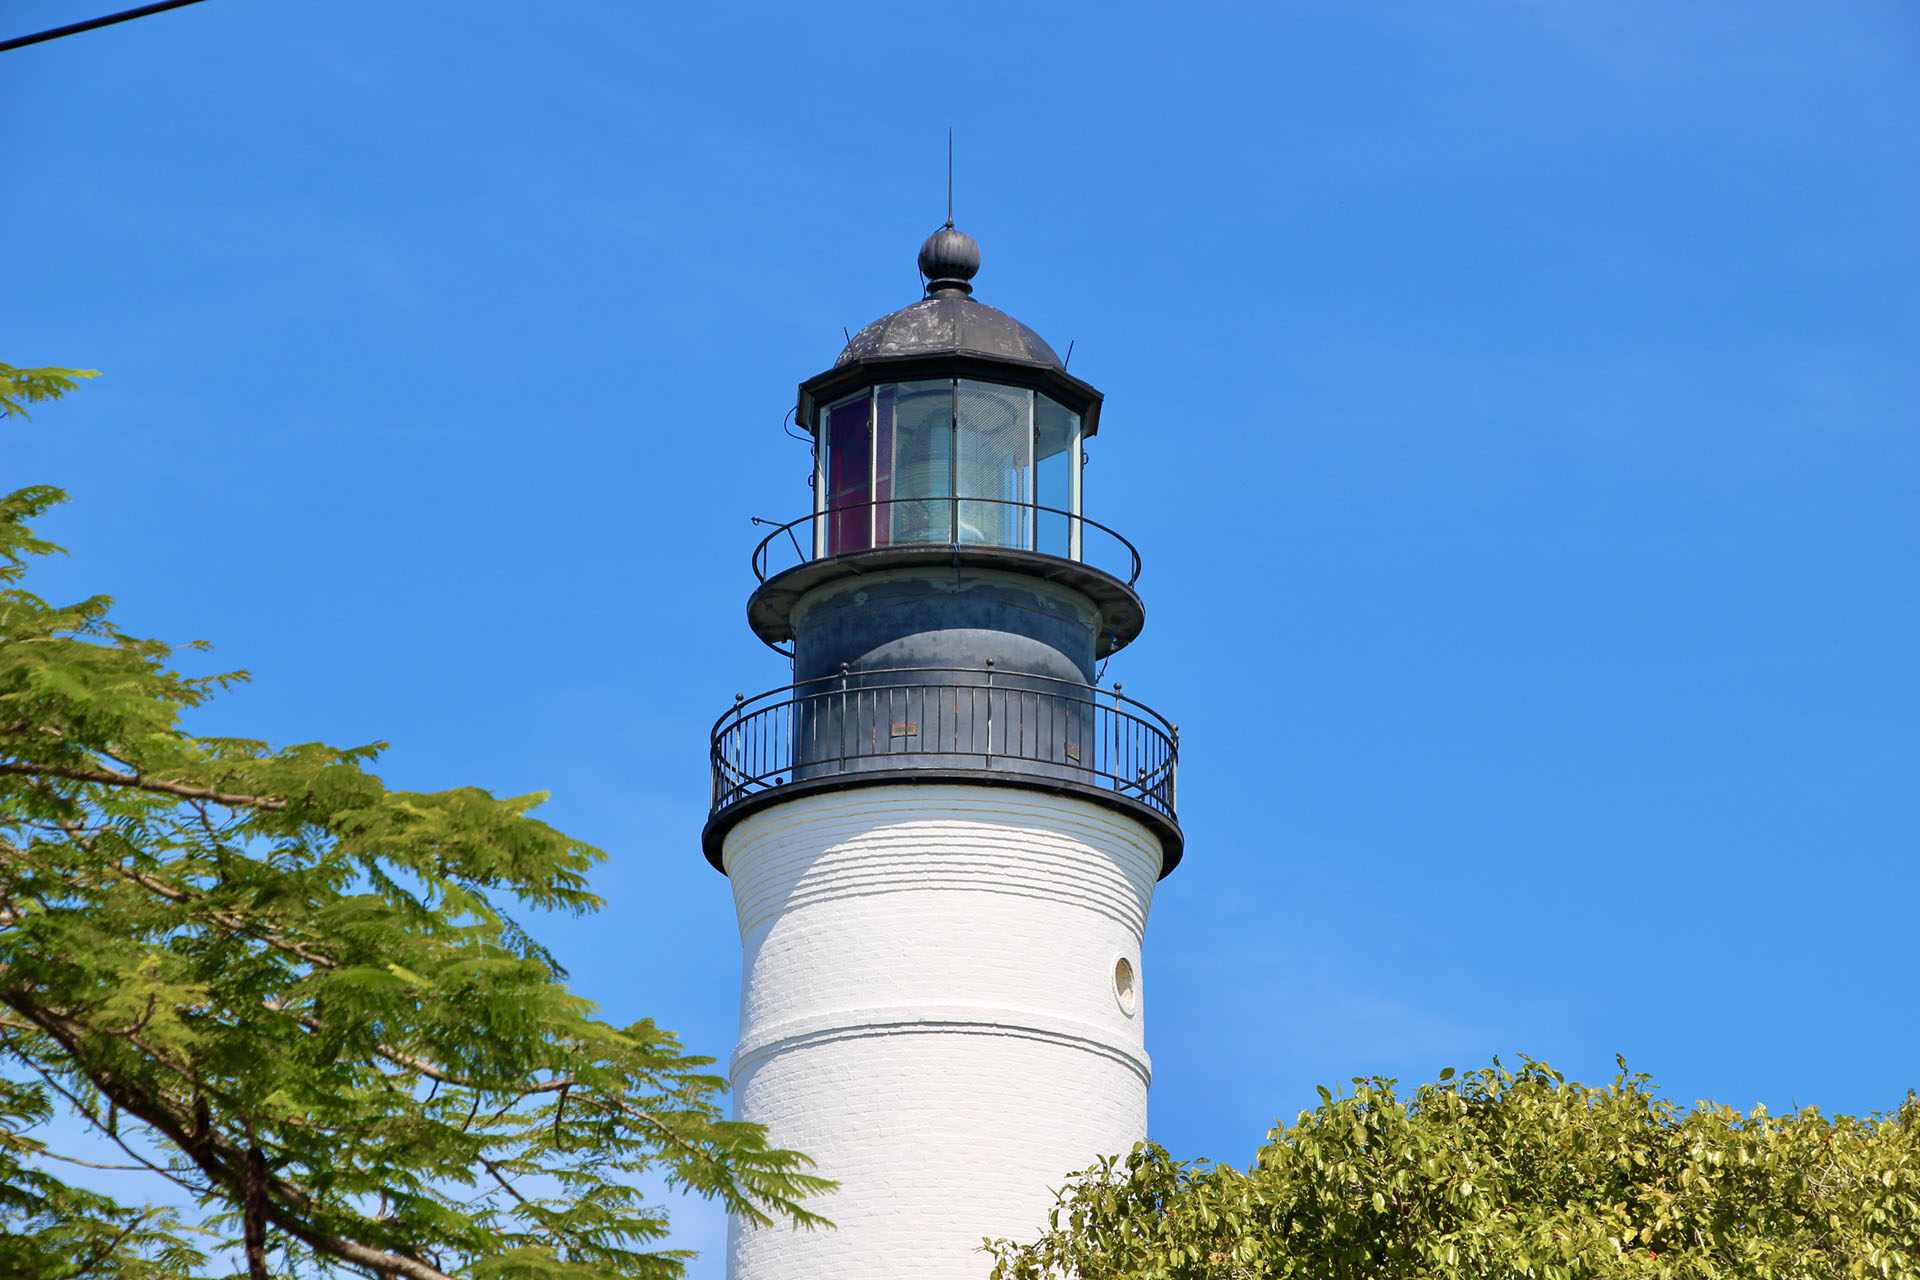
point(791, 433)
point(75, 28)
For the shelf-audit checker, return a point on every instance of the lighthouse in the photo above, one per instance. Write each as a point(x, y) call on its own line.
point(943, 836)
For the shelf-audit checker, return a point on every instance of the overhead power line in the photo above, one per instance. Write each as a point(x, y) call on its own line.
point(90, 24)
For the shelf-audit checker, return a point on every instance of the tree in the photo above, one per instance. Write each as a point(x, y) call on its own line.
point(1503, 1173)
point(305, 998)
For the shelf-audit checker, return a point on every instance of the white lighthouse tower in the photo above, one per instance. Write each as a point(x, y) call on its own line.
point(943, 837)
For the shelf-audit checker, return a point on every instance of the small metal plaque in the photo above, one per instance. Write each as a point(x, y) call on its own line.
point(1073, 752)
point(906, 729)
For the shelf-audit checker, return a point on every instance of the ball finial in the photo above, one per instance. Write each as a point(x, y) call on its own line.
point(948, 260)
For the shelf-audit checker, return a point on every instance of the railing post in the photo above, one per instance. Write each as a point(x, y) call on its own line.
point(738, 781)
point(989, 713)
point(1173, 769)
point(849, 735)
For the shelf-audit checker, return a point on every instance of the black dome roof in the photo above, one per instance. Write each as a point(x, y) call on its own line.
point(949, 323)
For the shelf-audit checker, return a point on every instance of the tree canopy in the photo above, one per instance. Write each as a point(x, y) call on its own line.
point(1506, 1173)
point(310, 1001)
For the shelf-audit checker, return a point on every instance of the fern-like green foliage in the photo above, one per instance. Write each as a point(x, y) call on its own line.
point(22, 387)
point(1497, 1174)
point(310, 1001)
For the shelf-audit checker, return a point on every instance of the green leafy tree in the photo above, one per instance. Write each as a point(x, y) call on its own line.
point(1503, 1173)
point(307, 999)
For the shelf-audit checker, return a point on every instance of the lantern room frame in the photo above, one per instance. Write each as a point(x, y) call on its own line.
point(869, 510)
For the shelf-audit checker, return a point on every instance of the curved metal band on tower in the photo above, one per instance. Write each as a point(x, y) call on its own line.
point(805, 1033)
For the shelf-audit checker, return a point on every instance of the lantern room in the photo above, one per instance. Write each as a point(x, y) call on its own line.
point(948, 422)
point(947, 460)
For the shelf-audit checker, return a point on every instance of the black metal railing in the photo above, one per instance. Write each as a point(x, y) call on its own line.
point(944, 522)
point(945, 717)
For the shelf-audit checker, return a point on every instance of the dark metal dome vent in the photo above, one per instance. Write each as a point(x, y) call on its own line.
point(948, 260)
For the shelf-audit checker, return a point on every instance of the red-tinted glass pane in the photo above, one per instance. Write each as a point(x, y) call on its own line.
point(849, 477)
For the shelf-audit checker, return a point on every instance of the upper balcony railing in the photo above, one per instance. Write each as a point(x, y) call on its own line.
point(945, 719)
point(853, 528)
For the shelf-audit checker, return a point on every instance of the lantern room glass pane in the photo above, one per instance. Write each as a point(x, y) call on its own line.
point(849, 476)
point(882, 465)
point(949, 461)
point(916, 430)
point(993, 432)
point(1057, 455)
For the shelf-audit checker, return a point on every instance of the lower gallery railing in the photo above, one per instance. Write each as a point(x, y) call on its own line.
point(945, 718)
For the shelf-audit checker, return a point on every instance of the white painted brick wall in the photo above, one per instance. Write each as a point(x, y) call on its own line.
point(928, 1009)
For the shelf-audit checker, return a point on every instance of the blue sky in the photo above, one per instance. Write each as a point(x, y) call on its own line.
point(1515, 404)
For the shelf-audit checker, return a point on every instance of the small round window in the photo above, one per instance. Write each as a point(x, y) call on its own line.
point(1126, 988)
